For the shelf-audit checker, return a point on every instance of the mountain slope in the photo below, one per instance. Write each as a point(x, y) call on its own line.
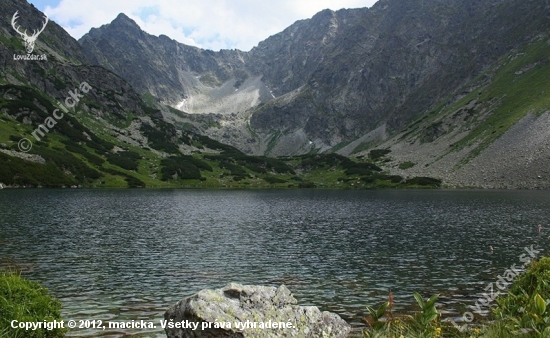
point(329, 80)
point(65, 123)
point(157, 65)
point(31, 91)
point(496, 134)
point(110, 138)
point(454, 90)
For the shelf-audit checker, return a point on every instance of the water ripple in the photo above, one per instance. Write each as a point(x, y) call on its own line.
point(130, 254)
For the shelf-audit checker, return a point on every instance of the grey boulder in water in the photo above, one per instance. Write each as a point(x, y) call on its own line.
point(241, 311)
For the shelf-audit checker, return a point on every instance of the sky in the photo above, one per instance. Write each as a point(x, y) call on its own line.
point(209, 24)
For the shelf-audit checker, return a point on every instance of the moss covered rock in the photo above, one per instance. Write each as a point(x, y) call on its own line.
point(250, 311)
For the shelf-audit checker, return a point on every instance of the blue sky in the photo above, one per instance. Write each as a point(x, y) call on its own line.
point(41, 4)
point(211, 24)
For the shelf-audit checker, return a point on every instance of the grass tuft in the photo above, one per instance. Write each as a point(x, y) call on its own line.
point(26, 301)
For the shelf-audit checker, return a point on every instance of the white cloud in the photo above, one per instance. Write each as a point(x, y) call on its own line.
point(212, 24)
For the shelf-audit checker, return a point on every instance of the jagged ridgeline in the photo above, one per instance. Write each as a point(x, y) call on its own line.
point(66, 123)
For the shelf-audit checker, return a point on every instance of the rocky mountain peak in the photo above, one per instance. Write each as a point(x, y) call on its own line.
point(122, 26)
point(123, 23)
point(123, 19)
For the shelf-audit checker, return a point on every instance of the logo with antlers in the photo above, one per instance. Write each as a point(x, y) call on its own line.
point(29, 40)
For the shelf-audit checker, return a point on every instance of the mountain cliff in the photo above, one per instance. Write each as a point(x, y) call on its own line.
point(329, 80)
point(454, 90)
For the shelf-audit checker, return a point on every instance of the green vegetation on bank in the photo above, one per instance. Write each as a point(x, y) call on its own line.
point(523, 312)
point(26, 301)
point(526, 308)
point(77, 164)
point(82, 149)
point(67, 160)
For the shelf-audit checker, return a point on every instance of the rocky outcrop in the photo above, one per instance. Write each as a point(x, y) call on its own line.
point(167, 69)
point(250, 311)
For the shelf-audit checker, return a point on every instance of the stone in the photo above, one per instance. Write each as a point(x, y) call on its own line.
point(246, 311)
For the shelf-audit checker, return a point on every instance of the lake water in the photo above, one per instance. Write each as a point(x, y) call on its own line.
point(130, 254)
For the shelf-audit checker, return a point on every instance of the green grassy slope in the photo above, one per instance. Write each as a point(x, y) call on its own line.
point(485, 109)
point(82, 150)
point(519, 86)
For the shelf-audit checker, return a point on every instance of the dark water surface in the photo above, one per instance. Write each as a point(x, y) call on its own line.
point(130, 254)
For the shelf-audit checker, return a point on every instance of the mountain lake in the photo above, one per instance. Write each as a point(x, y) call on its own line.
point(118, 255)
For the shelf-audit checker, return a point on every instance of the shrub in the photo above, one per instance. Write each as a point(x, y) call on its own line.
point(234, 169)
point(186, 167)
point(188, 171)
point(425, 323)
point(395, 178)
point(93, 159)
point(361, 169)
point(125, 159)
point(406, 165)
point(261, 164)
point(15, 171)
point(132, 181)
point(526, 306)
point(26, 301)
point(159, 139)
point(54, 173)
point(274, 180)
point(67, 161)
point(99, 144)
point(213, 144)
point(368, 179)
point(255, 168)
point(278, 166)
point(424, 181)
point(376, 154)
point(321, 161)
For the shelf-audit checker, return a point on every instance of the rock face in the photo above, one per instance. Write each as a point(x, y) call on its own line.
point(332, 78)
point(250, 311)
